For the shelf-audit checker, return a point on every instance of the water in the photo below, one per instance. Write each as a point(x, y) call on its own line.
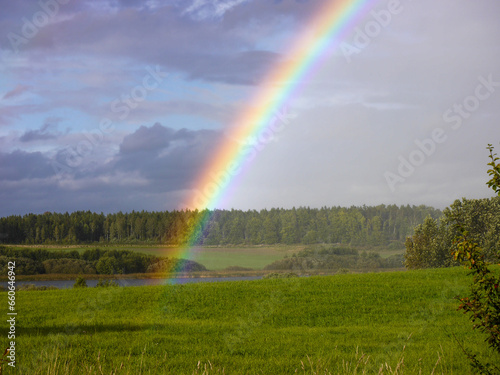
point(65, 284)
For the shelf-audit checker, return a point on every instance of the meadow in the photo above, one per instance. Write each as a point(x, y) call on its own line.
point(393, 322)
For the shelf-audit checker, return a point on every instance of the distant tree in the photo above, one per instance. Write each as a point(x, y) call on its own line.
point(271, 228)
point(481, 219)
point(107, 265)
point(289, 227)
point(68, 266)
point(376, 235)
point(427, 247)
point(236, 229)
point(254, 230)
point(311, 237)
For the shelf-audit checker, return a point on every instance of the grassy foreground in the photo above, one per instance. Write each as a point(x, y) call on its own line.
point(400, 322)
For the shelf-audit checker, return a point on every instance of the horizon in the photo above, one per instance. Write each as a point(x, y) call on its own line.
point(228, 209)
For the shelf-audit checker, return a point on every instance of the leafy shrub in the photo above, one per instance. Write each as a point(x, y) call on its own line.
point(80, 282)
point(92, 254)
point(483, 302)
point(24, 266)
point(107, 265)
point(395, 261)
point(106, 283)
point(68, 266)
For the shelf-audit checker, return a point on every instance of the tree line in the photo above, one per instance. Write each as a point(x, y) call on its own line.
point(91, 261)
point(366, 225)
point(338, 258)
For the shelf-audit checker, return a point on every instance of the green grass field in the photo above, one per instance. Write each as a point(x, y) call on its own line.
point(346, 324)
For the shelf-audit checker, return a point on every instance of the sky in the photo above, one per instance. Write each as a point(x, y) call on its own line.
point(118, 105)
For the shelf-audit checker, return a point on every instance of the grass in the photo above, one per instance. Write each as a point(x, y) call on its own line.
point(390, 323)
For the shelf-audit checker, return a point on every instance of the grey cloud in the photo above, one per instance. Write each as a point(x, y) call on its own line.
point(164, 159)
point(38, 196)
point(41, 134)
point(147, 139)
point(244, 68)
point(152, 168)
point(222, 51)
point(168, 159)
point(20, 165)
point(36, 135)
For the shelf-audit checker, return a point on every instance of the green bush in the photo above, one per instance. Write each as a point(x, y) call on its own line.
point(483, 302)
point(80, 282)
point(106, 283)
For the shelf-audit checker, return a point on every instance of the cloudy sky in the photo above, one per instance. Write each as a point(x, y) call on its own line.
point(109, 105)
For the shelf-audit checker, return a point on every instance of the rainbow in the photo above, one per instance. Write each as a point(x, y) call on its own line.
point(323, 33)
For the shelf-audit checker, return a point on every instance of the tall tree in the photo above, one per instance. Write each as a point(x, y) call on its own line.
point(483, 302)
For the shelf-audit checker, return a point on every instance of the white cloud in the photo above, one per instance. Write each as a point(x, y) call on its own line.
point(203, 9)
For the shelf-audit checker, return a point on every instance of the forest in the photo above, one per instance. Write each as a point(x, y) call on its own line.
point(366, 225)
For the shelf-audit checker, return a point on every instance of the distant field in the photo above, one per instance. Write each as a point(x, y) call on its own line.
point(343, 324)
point(214, 258)
point(218, 258)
